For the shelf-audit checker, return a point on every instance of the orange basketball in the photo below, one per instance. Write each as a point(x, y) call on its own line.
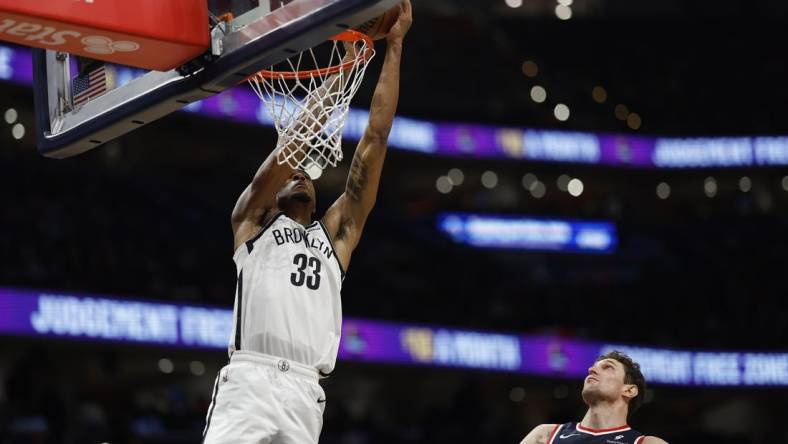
point(378, 27)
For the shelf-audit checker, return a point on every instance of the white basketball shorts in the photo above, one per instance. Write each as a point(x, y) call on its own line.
point(262, 399)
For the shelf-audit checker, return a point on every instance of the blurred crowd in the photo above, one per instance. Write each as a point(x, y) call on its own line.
point(712, 69)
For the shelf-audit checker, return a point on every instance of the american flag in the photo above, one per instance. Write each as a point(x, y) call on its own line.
point(89, 86)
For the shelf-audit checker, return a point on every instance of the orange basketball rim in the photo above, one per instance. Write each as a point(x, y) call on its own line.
point(350, 36)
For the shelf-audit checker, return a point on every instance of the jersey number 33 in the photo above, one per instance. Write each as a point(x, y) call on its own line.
point(307, 272)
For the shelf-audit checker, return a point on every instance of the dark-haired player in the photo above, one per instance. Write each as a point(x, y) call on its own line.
point(613, 390)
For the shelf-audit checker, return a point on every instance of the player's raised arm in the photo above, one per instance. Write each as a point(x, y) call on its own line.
point(346, 218)
point(541, 434)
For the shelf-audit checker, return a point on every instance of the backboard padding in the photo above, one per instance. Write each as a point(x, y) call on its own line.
point(237, 53)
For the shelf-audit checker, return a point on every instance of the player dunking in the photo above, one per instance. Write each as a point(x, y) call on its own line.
point(613, 390)
point(287, 314)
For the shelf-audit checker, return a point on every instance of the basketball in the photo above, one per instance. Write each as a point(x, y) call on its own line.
point(378, 27)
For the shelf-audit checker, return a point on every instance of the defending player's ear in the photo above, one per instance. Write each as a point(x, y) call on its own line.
point(631, 391)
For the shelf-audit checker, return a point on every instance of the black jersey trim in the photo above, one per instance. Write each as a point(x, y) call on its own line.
point(331, 242)
point(213, 405)
point(250, 242)
point(238, 324)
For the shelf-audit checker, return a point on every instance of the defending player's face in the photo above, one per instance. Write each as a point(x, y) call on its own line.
point(605, 381)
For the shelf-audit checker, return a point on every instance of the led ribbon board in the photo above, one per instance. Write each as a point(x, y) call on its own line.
point(47, 315)
point(524, 233)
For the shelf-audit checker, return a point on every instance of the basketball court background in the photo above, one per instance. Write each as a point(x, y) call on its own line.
point(675, 131)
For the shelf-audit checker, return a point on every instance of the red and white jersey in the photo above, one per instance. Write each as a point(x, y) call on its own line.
point(575, 433)
point(288, 302)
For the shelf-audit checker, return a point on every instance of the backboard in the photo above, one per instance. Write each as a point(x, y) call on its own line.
point(261, 33)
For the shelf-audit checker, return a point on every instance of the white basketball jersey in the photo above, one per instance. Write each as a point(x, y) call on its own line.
point(288, 302)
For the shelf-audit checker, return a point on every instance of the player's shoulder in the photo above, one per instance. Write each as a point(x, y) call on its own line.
point(653, 440)
point(546, 427)
point(540, 434)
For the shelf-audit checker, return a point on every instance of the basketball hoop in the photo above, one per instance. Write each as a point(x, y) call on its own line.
point(308, 97)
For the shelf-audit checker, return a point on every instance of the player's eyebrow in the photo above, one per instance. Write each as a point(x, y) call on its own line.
point(610, 361)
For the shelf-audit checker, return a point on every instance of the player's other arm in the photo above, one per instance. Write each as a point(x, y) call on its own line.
point(346, 218)
point(258, 200)
point(653, 440)
point(541, 434)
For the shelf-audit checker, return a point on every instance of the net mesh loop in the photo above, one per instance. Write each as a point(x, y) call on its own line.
point(307, 98)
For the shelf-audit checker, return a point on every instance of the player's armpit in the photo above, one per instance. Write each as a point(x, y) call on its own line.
point(540, 434)
point(346, 218)
point(653, 440)
point(343, 228)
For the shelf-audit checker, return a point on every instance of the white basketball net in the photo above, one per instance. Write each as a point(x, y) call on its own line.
point(310, 113)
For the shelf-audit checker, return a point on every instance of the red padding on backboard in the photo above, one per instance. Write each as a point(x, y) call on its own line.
point(150, 34)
